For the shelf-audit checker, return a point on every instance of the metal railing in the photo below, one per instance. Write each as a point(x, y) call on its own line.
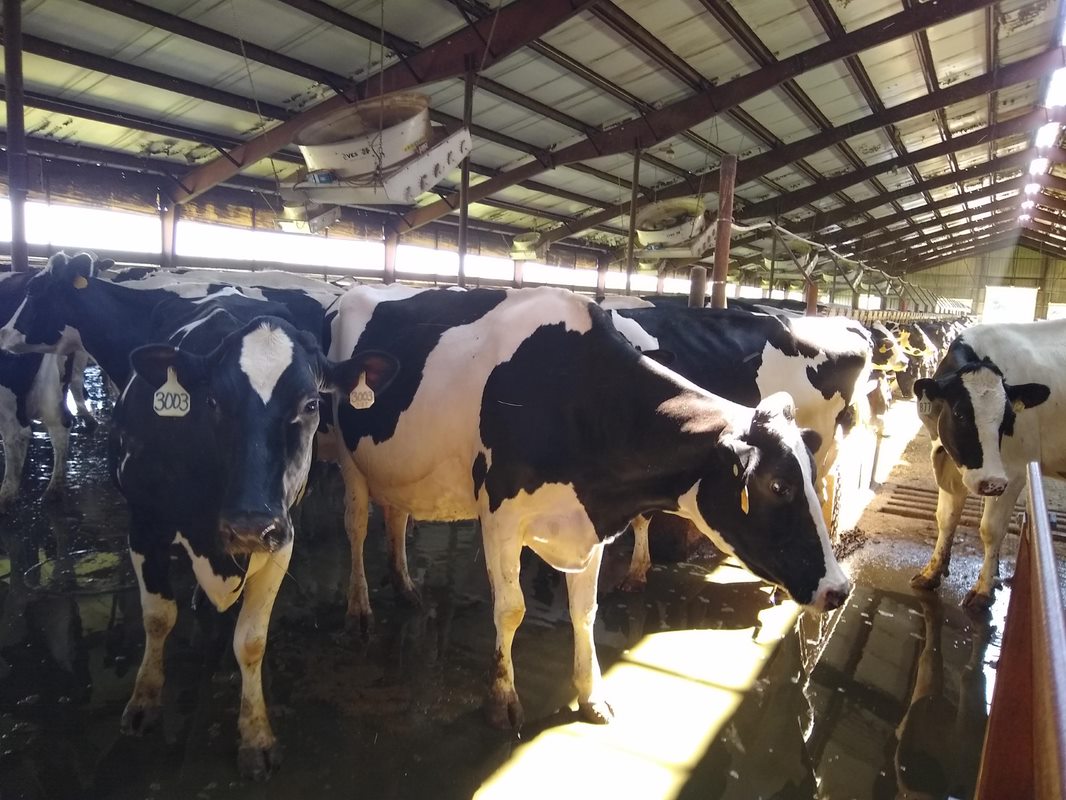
point(1025, 744)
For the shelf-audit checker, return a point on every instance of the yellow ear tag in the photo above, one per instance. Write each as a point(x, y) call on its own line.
point(362, 396)
point(1018, 406)
point(744, 499)
point(171, 399)
point(81, 282)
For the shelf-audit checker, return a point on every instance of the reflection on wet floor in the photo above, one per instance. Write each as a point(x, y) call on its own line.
point(711, 681)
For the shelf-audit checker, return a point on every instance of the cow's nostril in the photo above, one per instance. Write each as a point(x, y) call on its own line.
point(834, 599)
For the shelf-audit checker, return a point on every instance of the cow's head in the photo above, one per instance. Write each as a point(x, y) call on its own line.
point(888, 355)
point(914, 342)
point(758, 497)
point(42, 322)
point(259, 393)
point(970, 411)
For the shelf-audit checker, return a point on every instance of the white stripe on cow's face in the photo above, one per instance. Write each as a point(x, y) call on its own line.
point(834, 579)
point(989, 399)
point(265, 354)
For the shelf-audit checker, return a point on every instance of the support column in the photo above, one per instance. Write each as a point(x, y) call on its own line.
point(602, 263)
point(18, 180)
point(697, 288)
point(1043, 291)
point(168, 219)
point(660, 281)
point(517, 281)
point(812, 298)
point(727, 176)
point(464, 186)
point(631, 242)
point(392, 244)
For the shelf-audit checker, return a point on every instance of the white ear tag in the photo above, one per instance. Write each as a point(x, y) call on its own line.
point(744, 499)
point(171, 399)
point(362, 396)
point(925, 407)
point(736, 471)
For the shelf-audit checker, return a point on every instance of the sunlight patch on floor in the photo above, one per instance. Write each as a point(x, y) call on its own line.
point(672, 694)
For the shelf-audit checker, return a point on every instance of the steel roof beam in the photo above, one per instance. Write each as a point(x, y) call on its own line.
point(487, 42)
point(668, 121)
point(893, 253)
point(782, 204)
point(751, 168)
point(1022, 237)
point(950, 245)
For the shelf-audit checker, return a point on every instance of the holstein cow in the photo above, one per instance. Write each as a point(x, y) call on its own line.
point(211, 445)
point(822, 362)
point(976, 408)
point(527, 410)
point(33, 386)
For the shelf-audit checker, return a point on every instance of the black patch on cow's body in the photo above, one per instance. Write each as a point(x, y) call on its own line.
point(410, 329)
point(722, 349)
point(478, 473)
point(13, 292)
point(17, 374)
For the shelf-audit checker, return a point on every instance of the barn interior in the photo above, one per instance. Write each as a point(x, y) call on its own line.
point(886, 160)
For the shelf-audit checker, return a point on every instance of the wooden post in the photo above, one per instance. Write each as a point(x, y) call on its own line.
point(464, 185)
point(517, 272)
point(773, 262)
point(660, 281)
point(631, 242)
point(18, 178)
point(697, 288)
point(812, 298)
point(727, 175)
point(392, 242)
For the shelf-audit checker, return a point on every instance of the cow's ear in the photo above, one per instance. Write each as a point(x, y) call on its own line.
point(812, 439)
point(74, 271)
point(153, 361)
point(739, 454)
point(926, 389)
point(373, 367)
point(1027, 395)
point(664, 357)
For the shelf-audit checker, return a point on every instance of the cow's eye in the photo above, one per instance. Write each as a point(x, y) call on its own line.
point(779, 488)
point(311, 407)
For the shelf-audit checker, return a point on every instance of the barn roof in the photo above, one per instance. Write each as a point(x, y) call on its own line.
point(900, 132)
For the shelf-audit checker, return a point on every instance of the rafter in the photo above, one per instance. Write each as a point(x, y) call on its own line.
point(659, 125)
point(751, 168)
point(487, 42)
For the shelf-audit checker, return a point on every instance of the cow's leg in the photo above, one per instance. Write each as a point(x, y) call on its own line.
point(502, 550)
point(396, 536)
point(59, 435)
point(637, 578)
point(994, 521)
point(259, 752)
point(16, 443)
point(581, 589)
point(356, 519)
point(159, 612)
point(949, 505)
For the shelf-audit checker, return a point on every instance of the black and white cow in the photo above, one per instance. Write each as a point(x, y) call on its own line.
point(821, 362)
point(211, 445)
point(994, 404)
point(527, 410)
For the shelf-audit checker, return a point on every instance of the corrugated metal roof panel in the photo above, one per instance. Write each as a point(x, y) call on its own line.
point(834, 91)
point(895, 71)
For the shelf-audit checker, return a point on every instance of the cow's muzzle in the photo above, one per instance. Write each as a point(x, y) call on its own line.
point(991, 487)
point(253, 533)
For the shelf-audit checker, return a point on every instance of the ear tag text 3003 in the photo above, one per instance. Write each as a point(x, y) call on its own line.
point(171, 399)
point(362, 396)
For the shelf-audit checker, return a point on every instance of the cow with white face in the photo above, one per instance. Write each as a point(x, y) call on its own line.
point(527, 410)
point(994, 404)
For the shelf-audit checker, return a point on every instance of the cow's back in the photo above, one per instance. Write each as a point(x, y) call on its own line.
point(417, 444)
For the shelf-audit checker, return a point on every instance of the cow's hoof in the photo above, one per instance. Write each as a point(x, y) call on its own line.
point(359, 624)
point(257, 763)
point(139, 720)
point(505, 714)
point(407, 596)
point(977, 601)
point(633, 584)
point(597, 712)
point(923, 581)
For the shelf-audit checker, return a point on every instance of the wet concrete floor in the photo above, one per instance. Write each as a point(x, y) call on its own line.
point(718, 692)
